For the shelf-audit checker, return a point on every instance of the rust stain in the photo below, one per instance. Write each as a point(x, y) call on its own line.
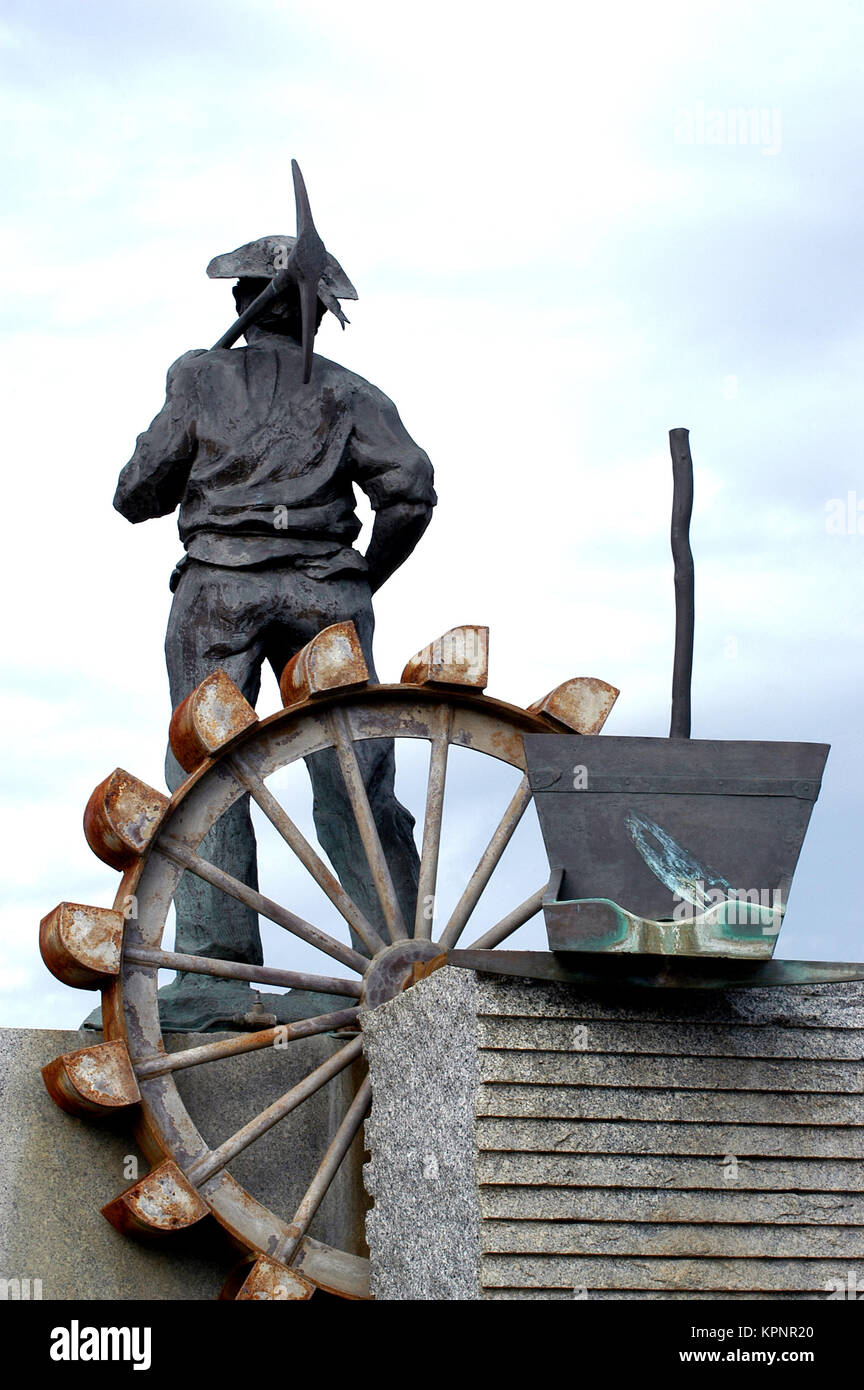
point(266, 1280)
point(213, 714)
point(333, 660)
point(459, 658)
point(121, 817)
point(81, 945)
point(508, 746)
point(162, 1202)
point(582, 704)
point(393, 969)
point(94, 1080)
point(421, 970)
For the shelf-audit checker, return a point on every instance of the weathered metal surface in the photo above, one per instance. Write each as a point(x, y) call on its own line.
point(257, 260)
point(161, 1204)
point(428, 877)
point(379, 868)
point(582, 704)
point(121, 818)
point(667, 830)
point(213, 714)
point(668, 972)
point(731, 930)
point(503, 740)
point(210, 1164)
point(512, 922)
point(308, 857)
point(336, 1151)
point(396, 968)
point(309, 267)
point(334, 1271)
point(238, 970)
point(481, 723)
point(331, 661)
point(81, 945)
point(460, 658)
point(269, 561)
point(682, 557)
point(486, 867)
point(279, 1035)
point(180, 854)
point(94, 1081)
point(265, 1280)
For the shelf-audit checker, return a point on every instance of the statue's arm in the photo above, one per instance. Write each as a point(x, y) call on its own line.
point(397, 477)
point(397, 529)
point(155, 478)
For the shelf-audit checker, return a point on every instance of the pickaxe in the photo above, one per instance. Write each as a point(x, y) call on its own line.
point(304, 268)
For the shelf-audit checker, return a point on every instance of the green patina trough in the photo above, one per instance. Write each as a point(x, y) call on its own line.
point(670, 846)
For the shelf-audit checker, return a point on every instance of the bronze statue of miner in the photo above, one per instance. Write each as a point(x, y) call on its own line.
point(262, 465)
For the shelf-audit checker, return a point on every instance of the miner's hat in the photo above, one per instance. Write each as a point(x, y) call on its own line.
point(264, 258)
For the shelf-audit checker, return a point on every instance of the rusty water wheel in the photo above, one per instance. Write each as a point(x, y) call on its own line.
point(154, 841)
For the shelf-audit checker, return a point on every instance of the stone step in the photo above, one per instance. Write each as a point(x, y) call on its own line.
point(691, 1073)
point(642, 1205)
point(539, 1135)
point(620, 1238)
point(654, 1275)
point(679, 1172)
point(691, 1039)
point(694, 1107)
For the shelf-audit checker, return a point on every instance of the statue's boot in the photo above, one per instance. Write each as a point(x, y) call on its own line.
point(190, 1004)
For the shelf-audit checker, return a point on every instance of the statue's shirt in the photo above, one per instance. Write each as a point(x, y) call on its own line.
point(262, 466)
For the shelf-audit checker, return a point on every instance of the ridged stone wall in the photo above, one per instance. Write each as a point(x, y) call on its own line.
point(531, 1140)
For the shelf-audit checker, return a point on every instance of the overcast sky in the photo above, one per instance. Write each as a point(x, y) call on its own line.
point(566, 240)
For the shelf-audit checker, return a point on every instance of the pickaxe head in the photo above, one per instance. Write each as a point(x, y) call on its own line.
point(288, 261)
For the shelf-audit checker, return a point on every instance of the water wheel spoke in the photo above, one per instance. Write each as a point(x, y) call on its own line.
point(309, 858)
point(186, 858)
point(317, 1189)
point(213, 1162)
point(250, 1042)
point(238, 970)
point(356, 788)
point(512, 922)
point(428, 877)
point(486, 867)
